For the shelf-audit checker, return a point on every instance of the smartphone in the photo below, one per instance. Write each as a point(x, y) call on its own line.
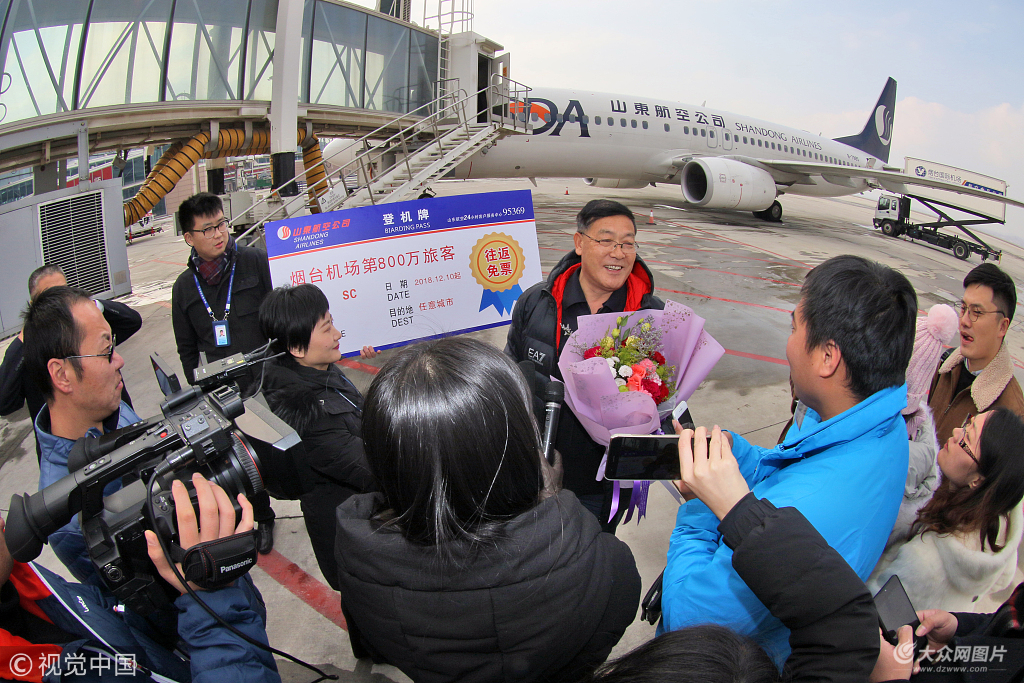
point(644, 458)
point(896, 610)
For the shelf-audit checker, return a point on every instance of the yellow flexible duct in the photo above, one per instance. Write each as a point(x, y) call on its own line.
point(182, 155)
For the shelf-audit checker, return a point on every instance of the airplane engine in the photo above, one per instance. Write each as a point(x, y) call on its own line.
point(727, 184)
point(616, 183)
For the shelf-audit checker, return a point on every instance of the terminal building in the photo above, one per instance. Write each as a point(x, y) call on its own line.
point(111, 109)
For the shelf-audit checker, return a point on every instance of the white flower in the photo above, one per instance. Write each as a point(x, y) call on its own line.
point(619, 382)
point(611, 363)
point(625, 371)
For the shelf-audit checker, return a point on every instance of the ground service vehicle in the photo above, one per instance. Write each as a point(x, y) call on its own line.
point(892, 216)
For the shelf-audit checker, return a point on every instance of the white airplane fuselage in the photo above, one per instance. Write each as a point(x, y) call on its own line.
point(635, 141)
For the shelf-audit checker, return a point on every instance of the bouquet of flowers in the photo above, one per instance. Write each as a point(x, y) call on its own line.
point(625, 373)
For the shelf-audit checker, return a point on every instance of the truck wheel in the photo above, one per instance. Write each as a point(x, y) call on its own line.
point(889, 228)
point(961, 251)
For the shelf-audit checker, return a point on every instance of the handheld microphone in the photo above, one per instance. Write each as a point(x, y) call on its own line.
point(554, 393)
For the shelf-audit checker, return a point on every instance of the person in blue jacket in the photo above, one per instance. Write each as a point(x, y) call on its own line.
point(842, 464)
point(52, 630)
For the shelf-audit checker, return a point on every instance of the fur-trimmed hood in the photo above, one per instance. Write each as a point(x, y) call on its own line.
point(989, 385)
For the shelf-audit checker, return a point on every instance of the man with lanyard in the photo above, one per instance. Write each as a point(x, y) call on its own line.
point(603, 274)
point(215, 305)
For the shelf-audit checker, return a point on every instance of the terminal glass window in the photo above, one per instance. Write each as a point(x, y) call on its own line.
point(387, 69)
point(124, 53)
point(41, 43)
point(336, 60)
point(204, 62)
point(259, 51)
point(422, 70)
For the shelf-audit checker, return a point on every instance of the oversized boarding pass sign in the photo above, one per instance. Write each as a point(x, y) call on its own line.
point(403, 272)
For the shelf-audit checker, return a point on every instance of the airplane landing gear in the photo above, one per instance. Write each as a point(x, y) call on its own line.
point(773, 213)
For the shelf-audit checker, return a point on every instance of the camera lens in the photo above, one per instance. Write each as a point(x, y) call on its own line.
point(239, 472)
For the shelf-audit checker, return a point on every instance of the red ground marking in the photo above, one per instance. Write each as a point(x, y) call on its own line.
point(751, 246)
point(716, 298)
point(170, 263)
point(722, 253)
point(361, 367)
point(754, 356)
point(165, 304)
point(303, 586)
point(727, 272)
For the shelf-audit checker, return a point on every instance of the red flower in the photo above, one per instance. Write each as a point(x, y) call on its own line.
point(652, 388)
point(590, 353)
point(664, 392)
point(658, 358)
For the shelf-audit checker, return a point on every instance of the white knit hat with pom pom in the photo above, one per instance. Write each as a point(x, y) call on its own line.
point(933, 332)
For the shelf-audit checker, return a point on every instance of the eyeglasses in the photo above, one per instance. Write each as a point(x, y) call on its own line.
point(963, 441)
point(210, 232)
point(974, 312)
point(609, 245)
point(109, 354)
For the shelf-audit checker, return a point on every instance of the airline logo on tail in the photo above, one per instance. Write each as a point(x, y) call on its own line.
point(883, 124)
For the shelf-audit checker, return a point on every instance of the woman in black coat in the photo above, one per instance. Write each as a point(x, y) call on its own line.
point(466, 567)
point(308, 391)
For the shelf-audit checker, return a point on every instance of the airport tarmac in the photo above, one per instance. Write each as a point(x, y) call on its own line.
point(741, 274)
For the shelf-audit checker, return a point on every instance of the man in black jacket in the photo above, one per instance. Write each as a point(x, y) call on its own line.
point(215, 305)
point(603, 274)
point(16, 388)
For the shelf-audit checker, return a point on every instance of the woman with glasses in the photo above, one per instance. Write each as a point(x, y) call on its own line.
point(963, 544)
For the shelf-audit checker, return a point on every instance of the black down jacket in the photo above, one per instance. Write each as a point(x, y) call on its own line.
point(329, 466)
point(547, 603)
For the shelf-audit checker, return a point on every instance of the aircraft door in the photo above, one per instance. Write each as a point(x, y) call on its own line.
point(727, 139)
point(483, 78)
point(713, 135)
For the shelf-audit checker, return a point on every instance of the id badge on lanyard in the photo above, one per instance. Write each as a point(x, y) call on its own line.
point(221, 333)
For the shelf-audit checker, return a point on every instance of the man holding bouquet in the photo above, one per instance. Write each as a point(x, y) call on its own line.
point(842, 464)
point(603, 274)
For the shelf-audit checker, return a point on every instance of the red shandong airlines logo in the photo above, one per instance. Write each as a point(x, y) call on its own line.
point(284, 232)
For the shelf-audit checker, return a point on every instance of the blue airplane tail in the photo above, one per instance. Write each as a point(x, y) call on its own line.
point(877, 133)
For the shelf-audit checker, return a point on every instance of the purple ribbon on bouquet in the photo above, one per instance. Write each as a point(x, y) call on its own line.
point(637, 501)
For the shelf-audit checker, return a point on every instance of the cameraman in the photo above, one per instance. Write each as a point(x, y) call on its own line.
point(70, 355)
point(93, 640)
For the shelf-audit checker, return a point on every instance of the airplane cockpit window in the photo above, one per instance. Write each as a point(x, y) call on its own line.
point(644, 123)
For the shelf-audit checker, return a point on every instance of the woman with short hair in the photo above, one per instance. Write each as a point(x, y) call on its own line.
point(307, 390)
point(466, 567)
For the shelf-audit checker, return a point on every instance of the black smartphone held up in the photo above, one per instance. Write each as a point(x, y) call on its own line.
point(896, 610)
point(644, 457)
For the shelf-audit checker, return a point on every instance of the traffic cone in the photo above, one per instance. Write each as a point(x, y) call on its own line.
point(650, 221)
point(567, 190)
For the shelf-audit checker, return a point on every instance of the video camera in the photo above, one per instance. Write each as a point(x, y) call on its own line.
point(201, 429)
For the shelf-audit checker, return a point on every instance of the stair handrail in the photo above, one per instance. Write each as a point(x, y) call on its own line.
point(501, 95)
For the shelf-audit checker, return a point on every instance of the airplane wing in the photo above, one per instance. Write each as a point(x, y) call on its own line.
point(799, 173)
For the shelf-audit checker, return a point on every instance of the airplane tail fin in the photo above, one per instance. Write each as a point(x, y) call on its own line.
point(877, 133)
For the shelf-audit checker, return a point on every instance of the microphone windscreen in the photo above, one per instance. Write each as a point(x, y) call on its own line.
point(554, 392)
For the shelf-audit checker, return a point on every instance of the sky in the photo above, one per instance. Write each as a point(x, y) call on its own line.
point(819, 66)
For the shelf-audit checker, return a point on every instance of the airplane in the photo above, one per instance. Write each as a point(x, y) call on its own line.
point(721, 160)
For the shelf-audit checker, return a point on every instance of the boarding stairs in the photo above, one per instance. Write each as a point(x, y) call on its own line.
point(384, 166)
point(418, 170)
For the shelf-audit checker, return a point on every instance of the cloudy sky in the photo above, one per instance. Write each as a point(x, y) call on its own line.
point(814, 65)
